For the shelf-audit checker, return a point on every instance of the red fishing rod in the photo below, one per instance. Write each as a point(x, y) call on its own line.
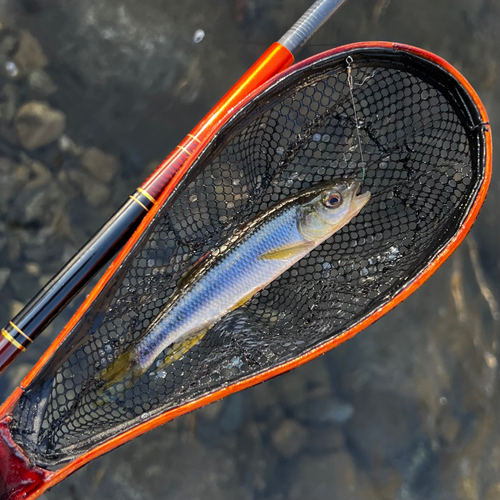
point(44, 307)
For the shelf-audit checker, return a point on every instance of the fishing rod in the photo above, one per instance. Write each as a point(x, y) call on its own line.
point(60, 290)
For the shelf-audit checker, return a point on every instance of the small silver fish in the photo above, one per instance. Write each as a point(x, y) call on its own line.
point(258, 252)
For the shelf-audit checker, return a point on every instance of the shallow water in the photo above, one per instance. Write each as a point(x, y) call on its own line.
point(406, 409)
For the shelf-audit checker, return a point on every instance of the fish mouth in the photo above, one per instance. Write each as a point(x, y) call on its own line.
point(358, 200)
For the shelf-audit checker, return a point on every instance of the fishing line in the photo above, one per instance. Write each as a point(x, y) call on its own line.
point(350, 81)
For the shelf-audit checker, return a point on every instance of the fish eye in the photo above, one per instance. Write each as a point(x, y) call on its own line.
point(333, 200)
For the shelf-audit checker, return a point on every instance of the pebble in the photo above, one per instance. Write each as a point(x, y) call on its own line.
point(94, 191)
point(68, 145)
point(37, 125)
point(211, 411)
point(103, 166)
point(41, 85)
point(33, 268)
point(29, 55)
point(8, 45)
point(325, 410)
point(333, 476)
point(289, 438)
point(325, 439)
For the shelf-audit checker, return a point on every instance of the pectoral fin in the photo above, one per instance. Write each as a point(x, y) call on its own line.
point(178, 349)
point(286, 252)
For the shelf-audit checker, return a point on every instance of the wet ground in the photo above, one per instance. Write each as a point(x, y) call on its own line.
point(407, 409)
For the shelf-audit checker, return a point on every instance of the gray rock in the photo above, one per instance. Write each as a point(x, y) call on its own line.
point(37, 125)
point(4, 276)
point(333, 477)
point(68, 145)
point(94, 191)
point(8, 45)
point(102, 165)
point(211, 411)
point(12, 178)
point(325, 410)
point(29, 55)
point(25, 286)
point(41, 85)
point(325, 439)
point(289, 438)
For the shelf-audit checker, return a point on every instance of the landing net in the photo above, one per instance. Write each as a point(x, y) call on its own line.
point(401, 121)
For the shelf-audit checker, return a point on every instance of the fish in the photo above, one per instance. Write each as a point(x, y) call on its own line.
point(257, 253)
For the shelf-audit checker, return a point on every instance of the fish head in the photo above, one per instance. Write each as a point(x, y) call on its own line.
point(330, 207)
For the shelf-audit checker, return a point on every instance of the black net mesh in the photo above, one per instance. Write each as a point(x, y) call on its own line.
point(403, 121)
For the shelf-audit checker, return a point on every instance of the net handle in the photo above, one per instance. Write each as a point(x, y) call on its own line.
point(46, 305)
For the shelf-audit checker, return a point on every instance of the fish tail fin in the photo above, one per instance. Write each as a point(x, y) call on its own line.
point(119, 376)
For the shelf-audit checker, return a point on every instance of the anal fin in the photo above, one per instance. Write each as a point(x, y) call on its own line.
point(178, 349)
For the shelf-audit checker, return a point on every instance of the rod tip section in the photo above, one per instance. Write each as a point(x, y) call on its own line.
point(312, 20)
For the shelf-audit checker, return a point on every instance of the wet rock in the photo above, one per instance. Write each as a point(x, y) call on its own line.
point(102, 165)
point(4, 276)
point(33, 268)
point(39, 174)
point(493, 492)
point(289, 438)
point(37, 206)
point(67, 144)
point(41, 85)
point(325, 439)
point(29, 55)
point(211, 411)
point(374, 435)
point(334, 476)
point(8, 42)
point(305, 383)
point(325, 410)
point(95, 192)
point(37, 125)
point(12, 178)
